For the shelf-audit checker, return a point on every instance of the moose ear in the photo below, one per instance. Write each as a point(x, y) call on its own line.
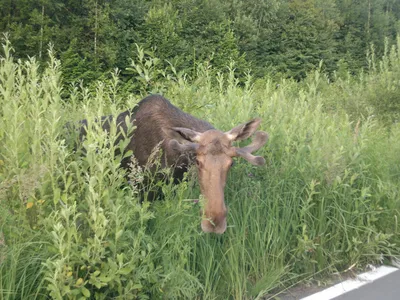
point(185, 133)
point(183, 139)
point(243, 131)
point(183, 148)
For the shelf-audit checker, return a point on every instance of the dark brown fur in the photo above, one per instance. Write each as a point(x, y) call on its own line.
point(152, 116)
point(183, 139)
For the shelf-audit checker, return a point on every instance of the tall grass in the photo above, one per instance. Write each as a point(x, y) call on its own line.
point(74, 227)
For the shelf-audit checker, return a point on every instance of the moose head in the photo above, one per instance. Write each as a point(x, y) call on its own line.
point(214, 154)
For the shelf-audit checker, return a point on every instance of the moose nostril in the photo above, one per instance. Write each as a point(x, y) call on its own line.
point(208, 227)
point(216, 224)
point(221, 229)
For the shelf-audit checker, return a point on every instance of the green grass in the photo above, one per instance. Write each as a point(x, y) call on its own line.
point(21, 271)
point(73, 227)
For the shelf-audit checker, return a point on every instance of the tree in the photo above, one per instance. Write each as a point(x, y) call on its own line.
point(303, 38)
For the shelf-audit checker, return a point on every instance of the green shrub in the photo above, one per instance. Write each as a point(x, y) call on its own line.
point(72, 226)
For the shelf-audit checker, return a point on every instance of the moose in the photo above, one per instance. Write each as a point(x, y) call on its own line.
point(185, 140)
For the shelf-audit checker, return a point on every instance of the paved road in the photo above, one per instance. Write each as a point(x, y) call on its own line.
point(385, 288)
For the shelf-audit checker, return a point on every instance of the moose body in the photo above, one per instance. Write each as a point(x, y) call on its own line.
point(184, 140)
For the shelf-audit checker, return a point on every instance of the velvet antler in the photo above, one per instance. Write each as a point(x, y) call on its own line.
point(259, 139)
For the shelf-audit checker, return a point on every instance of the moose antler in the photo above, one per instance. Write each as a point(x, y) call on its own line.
point(259, 139)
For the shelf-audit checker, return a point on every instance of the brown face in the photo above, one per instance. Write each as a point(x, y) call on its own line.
point(214, 153)
point(213, 161)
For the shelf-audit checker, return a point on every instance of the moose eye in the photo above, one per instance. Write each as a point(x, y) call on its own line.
point(198, 163)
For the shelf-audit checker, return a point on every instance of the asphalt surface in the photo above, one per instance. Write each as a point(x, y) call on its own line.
point(385, 288)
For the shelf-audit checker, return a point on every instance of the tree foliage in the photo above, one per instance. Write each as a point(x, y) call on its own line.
point(276, 37)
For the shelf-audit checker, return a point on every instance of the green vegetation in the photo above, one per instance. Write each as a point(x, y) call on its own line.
point(323, 76)
point(72, 227)
point(279, 38)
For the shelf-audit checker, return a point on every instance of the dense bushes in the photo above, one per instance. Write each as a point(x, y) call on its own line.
point(71, 226)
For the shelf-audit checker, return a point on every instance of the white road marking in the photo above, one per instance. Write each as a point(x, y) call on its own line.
point(351, 284)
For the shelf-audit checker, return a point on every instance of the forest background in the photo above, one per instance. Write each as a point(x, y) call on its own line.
point(278, 38)
point(324, 77)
